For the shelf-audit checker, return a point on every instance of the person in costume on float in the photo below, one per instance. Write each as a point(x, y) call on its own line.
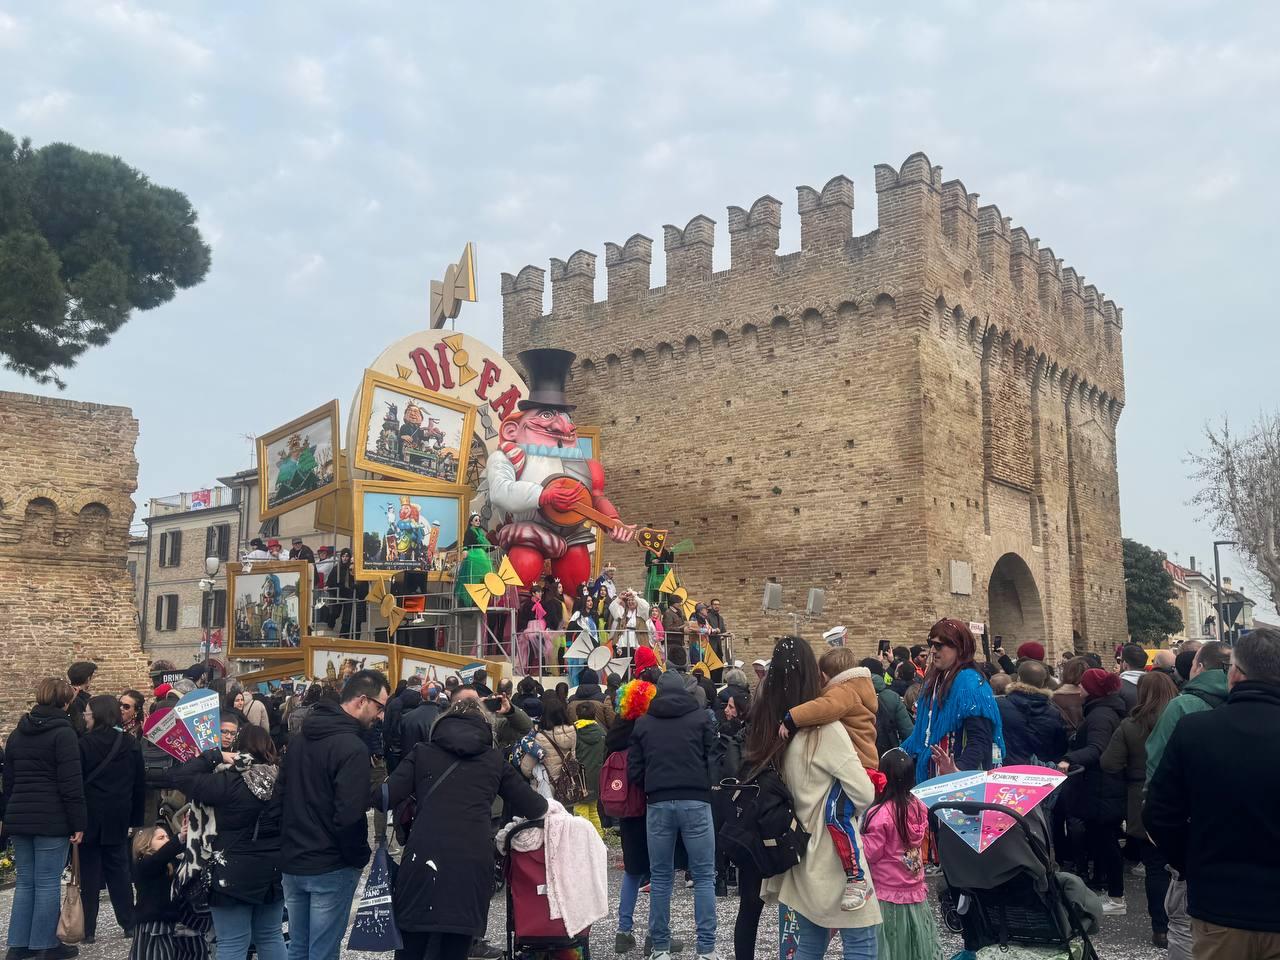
point(603, 592)
point(957, 720)
point(580, 621)
point(537, 445)
point(657, 566)
point(532, 643)
point(629, 624)
point(475, 560)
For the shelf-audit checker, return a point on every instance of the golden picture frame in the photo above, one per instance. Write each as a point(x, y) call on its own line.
point(283, 671)
point(437, 665)
point(433, 450)
point(393, 527)
point(591, 447)
point(300, 458)
point(269, 611)
point(328, 658)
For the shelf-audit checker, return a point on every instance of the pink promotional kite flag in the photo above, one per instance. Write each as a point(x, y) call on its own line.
point(1019, 788)
point(962, 785)
point(200, 713)
point(166, 732)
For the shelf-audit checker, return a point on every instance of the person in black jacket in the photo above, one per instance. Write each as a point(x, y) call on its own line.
point(415, 725)
point(114, 789)
point(324, 787)
point(1033, 727)
point(79, 675)
point(1095, 798)
point(246, 898)
point(445, 880)
point(43, 807)
point(1211, 807)
point(673, 754)
point(392, 722)
point(157, 913)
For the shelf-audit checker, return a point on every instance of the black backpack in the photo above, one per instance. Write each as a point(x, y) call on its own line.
point(762, 834)
point(886, 730)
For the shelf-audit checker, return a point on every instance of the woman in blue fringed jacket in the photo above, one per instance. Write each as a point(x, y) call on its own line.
point(957, 720)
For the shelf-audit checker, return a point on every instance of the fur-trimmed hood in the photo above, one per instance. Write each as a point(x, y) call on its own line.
point(1029, 690)
point(852, 673)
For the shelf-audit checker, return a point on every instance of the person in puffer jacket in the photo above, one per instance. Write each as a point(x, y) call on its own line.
point(1034, 731)
point(43, 808)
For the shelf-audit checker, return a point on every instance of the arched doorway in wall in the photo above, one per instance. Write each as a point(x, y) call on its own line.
point(1013, 603)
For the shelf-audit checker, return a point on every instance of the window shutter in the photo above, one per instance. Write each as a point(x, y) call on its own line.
point(210, 540)
point(224, 541)
point(160, 605)
point(219, 608)
point(206, 610)
point(171, 614)
point(175, 548)
point(164, 551)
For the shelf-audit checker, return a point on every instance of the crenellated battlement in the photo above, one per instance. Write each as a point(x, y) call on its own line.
point(932, 233)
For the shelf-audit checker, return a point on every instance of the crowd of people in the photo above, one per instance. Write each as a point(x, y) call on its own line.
point(1170, 768)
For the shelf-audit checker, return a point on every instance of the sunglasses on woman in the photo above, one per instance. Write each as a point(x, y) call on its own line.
point(937, 644)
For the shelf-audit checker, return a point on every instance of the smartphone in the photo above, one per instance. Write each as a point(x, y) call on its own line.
point(885, 646)
point(493, 704)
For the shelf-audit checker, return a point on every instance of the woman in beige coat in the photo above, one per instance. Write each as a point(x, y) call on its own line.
point(809, 894)
point(557, 738)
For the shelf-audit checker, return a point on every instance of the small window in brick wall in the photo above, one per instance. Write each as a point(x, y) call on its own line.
point(213, 610)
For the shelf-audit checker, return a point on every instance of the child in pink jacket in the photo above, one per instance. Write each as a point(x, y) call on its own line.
point(892, 835)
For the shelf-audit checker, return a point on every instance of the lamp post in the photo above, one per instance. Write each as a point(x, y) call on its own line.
point(1217, 577)
point(211, 567)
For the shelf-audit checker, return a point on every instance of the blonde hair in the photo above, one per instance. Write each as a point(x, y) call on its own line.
point(142, 841)
point(836, 661)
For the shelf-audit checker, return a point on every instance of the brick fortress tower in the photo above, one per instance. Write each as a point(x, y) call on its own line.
point(920, 420)
point(65, 505)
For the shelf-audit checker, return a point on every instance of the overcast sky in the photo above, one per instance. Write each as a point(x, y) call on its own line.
point(341, 153)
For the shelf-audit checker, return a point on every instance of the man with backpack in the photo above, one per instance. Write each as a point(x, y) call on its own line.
point(893, 721)
point(673, 755)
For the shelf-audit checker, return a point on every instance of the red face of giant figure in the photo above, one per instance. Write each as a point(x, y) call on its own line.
point(543, 426)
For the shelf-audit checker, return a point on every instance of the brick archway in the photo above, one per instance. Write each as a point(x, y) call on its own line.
point(1015, 611)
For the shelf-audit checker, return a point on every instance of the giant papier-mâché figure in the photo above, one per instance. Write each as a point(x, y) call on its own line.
point(539, 479)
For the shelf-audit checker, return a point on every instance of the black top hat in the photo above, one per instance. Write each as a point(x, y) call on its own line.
point(547, 370)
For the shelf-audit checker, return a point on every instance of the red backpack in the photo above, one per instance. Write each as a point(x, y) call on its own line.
point(619, 796)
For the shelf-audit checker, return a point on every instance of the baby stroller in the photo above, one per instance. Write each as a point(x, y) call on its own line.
point(1012, 893)
point(531, 932)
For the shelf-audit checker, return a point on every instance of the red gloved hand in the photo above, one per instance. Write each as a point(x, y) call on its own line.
point(560, 497)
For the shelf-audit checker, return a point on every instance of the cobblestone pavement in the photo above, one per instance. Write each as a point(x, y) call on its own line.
point(1127, 937)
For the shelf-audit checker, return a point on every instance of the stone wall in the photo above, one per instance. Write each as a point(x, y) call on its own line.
point(870, 415)
point(67, 475)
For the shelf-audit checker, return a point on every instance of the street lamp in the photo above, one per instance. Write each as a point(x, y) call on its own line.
point(1217, 576)
point(211, 567)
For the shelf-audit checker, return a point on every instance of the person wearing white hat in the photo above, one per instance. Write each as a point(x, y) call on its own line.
point(761, 667)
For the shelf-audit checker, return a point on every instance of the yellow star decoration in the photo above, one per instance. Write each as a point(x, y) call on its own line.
point(494, 585)
point(387, 606)
point(710, 662)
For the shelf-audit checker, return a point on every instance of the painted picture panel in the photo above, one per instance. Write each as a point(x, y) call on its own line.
point(436, 667)
point(405, 527)
point(412, 433)
point(271, 607)
point(297, 463)
point(335, 660)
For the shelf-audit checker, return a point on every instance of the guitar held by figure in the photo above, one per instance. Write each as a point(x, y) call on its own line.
point(568, 502)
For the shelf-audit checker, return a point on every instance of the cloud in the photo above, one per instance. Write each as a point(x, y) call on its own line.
point(10, 30)
point(1215, 185)
point(153, 30)
point(836, 32)
point(921, 41)
point(569, 94)
point(324, 146)
point(307, 80)
point(312, 264)
point(45, 105)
